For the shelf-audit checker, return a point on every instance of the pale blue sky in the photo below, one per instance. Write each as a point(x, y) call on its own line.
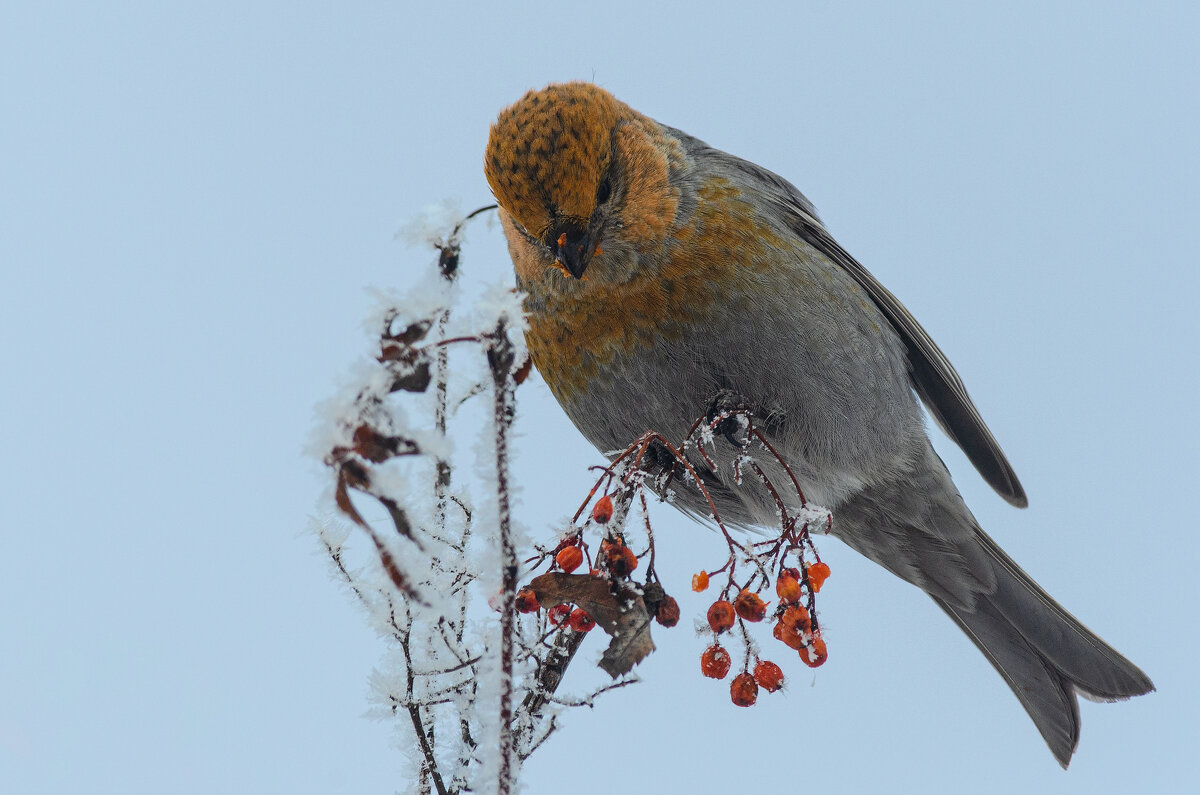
point(192, 201)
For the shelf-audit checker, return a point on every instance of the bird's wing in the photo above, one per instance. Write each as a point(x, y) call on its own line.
point(932, 374)
point(933, 377)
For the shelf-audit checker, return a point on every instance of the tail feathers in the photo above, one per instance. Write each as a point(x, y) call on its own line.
point(1092, 666)
point(1044, 653)
point(1042, 689)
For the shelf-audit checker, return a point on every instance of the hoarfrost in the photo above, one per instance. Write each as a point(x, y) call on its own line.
point(429, 511)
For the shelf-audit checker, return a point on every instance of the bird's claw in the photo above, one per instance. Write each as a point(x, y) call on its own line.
point(724, 415)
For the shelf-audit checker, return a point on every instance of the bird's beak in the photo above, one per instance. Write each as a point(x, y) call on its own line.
point(572, 249)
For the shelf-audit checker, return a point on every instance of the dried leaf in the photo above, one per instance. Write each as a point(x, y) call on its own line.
point(416, 380)
point(353, 477)
point(448, 259)
point(631, 642)
point(590, 591)
point(414, 332)
point(342, 497)
point(400, 519)
point(623, 616)
point(522, 372)
point(376, 447)
point(394, 353)
point(393, 571)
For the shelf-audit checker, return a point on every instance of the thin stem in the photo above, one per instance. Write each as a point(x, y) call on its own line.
point(500, 358)
point(442, 477)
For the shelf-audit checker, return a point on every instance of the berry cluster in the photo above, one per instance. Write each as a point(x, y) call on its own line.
point(606, 594)
point(795, 627)
point(604, 586)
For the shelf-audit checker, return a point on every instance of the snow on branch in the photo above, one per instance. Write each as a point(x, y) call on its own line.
point(475, 660)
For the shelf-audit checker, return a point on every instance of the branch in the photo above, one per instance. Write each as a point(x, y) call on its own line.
point(500, 359)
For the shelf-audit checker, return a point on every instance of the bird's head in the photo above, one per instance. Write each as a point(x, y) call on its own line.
point(579, 173)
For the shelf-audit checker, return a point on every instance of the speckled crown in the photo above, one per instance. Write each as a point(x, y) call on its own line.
point(547, 153)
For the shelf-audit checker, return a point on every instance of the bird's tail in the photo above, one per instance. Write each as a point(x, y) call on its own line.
point(1044, 653)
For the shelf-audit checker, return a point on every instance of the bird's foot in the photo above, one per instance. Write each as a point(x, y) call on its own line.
point(662, 464)
point(726, 416)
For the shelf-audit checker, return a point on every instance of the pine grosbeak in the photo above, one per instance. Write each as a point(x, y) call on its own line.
point(661, 273)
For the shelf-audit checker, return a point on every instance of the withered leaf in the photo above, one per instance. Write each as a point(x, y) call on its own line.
point(522, 372)
point(351, 475)
point(590, 591)
point(342, 496)
point(399, 519)
point(414, 332)
point(415, 380)
point(631, 642)
point(448, 259)
point(377, 447)
point(355, 475)
point(623, 616)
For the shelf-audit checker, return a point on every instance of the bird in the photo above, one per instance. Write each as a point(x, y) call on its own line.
point(661, 274)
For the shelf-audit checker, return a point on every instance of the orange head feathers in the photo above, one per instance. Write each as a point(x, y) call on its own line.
point(548, 155)
point(573, 160)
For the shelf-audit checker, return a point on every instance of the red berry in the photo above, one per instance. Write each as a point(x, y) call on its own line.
point(621, 560)
point(815, 654)
point(602, 511)
point(789, 635)
point(796, 617)
point(700, 581)
point(788, 586)
point(580, 621)
point(527, 601)
point(630, 559)
point(750, 606)
point(768, 675)
point(817, 574)
point(558, 614)
point(667, 613)
point(569, 558)
point(743, 690)
point(720, 616)
point(715, 662)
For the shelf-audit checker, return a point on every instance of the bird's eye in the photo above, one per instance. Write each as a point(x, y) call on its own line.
point(603, 192)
